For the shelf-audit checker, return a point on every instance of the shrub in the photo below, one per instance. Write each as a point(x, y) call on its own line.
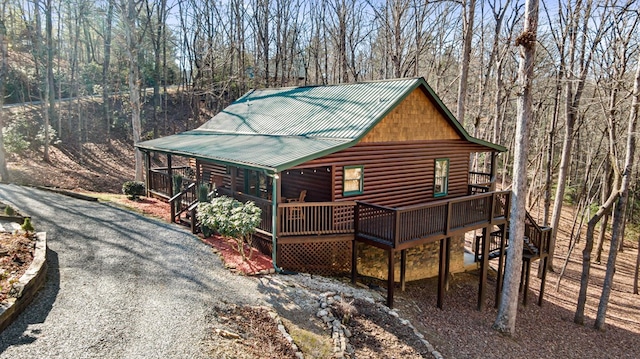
point(9, 211)
point(133, 189)
point(232, 219)
point(27, 226)
point(203, 193)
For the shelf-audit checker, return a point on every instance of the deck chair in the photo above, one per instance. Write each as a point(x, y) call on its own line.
point(297, 212)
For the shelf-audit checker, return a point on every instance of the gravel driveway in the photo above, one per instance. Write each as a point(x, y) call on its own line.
point(119, 285)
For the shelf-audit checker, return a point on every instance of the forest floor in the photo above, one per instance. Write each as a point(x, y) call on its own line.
point(458, 330)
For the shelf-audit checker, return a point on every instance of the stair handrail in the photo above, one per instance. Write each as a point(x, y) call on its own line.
point(541, 241)
point(177, 197)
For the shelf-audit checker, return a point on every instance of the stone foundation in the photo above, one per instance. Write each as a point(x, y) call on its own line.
point(422, 261)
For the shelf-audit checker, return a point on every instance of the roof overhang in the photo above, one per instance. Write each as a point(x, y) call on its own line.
point(271, 154)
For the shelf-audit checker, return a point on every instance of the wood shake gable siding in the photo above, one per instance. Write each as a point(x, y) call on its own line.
point(416, 118)
point(399, 155)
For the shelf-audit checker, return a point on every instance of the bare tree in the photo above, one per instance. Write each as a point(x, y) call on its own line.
point(621, 206)
point(106, 62)
point(579, 56)
point(129, 10)
point(468, 9)
point(4, 173)
point(506, 318)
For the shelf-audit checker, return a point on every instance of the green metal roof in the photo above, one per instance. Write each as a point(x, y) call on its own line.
point(276, 129)
point(271, 153)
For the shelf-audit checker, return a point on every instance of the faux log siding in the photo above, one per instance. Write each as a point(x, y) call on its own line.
point(317, 184)
point(401, 173)
point(221, 170)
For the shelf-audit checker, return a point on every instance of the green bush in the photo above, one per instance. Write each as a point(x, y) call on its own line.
point(133, 189)
point(23, 134)
point(27, 226)
point(231, 218)
point(9, 211)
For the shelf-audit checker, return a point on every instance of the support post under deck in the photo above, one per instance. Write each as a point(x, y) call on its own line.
point(390, 279)
point(403, 268)
point(442, 270)
point(543, 263)
point(484, 265)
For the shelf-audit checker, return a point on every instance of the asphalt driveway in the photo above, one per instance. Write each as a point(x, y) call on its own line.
point(119, 285)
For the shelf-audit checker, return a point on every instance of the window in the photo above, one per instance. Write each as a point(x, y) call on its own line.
point(353, 180)
point(441, 177)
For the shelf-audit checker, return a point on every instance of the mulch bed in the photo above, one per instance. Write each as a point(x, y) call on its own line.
point(246, 332)
point(378, 335)
point(16, 254)
point(258, 263)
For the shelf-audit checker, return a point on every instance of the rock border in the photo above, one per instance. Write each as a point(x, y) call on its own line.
point(341, 334)
point(27, 286)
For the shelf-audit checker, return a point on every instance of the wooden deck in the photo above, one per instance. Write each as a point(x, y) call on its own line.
point(326, 230)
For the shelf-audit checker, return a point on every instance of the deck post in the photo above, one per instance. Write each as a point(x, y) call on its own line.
point(354, 255)
point(484, 265)
point(147, 167)
point(442, 271)
point(390, 279)
point(198, 175)
point(501, 263)
point(543, 262)
point(403, 268)
point(170, 173)
point(234, 171)
point(526, 281)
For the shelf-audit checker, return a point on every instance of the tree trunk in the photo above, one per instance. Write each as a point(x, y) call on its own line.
point(469, 14)
point(637, 269)
point(507, 312)
point(105, 70)
point(586, 255)
point(4, 173)
point(48, 84)
point(129, 9)
point(619, 213)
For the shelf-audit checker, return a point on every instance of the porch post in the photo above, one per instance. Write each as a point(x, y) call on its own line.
point(390, 279)
point(198, 175)
point(484, 265)
point(354, 254)
point(147, 168)
point(170, 173)
point(234, 172)
point(492, 186)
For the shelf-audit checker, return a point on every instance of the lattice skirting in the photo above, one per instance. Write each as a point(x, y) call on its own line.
point(317, 257)
point(262, 243)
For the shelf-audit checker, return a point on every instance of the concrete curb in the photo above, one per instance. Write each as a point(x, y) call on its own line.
point(27, 286)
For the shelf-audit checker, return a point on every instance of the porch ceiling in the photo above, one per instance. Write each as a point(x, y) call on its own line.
point(270, 153)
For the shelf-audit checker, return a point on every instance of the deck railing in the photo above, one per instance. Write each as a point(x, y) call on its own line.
point(264, 205)
point(315, 218)
point(479, 178)
point(182, 202)
point(160, 182)
point(396, 227)
point(538, 236)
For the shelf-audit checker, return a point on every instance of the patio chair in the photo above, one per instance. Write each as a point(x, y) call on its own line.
point(297, 212)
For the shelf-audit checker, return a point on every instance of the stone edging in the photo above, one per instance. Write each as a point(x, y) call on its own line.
point(27, 286)
point(341, 334)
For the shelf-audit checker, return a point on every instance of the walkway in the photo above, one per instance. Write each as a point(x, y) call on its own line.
point(119, 285)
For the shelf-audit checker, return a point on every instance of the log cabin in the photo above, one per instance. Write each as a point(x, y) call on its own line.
point(370, 178)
